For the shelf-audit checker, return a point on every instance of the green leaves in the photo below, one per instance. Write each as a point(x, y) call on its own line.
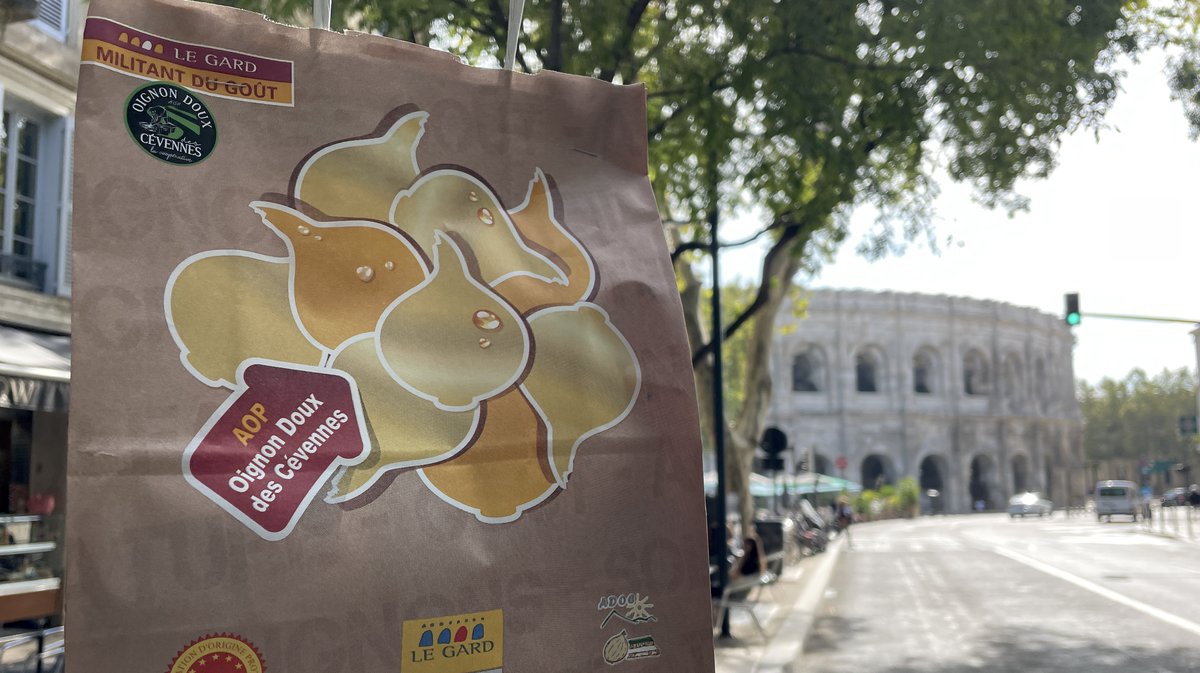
point(812, 107)
point(1137, 416)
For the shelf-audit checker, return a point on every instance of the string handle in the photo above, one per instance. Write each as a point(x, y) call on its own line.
point(322, 12)
point(516, 8)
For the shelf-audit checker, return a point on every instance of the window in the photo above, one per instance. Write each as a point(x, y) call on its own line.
point(35, 151)
point(52, 17)
point(20, 140)
point(976, 380)
point(923, 372)
point(806, 373)
point(866, 371)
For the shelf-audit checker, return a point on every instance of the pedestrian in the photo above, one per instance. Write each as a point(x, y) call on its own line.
point(845, 517)
point(1194, 495)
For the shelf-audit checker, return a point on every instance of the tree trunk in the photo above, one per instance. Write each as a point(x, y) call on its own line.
point(741, 435)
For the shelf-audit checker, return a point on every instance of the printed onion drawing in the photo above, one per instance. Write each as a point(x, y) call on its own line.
point(470, 329)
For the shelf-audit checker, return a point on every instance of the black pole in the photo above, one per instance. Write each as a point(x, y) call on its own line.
point(718, 394)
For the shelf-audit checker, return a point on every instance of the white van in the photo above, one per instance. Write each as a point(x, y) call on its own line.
point(1117, 497)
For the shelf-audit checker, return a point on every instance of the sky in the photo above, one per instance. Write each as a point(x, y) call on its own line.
point(1116, 222)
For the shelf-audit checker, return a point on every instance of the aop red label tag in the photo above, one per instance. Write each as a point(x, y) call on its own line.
point(267, 451)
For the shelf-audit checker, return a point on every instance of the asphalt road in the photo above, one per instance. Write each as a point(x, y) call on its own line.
point(983, 593)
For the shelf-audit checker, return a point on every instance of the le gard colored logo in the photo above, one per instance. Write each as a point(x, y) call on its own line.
point(467, 643)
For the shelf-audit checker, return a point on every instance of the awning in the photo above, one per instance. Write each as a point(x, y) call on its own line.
point(35, 370)
point(807, 482)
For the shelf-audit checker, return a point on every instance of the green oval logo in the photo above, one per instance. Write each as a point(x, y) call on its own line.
point(170, 123)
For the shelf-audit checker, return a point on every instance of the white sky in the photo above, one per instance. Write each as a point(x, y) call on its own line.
point(1115, 222)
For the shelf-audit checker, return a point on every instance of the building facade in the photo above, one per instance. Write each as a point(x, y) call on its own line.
point(975, 399)
point(39, 60)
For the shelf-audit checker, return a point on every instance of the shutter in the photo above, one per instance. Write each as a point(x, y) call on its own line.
point(64, 209)
point(53, 14)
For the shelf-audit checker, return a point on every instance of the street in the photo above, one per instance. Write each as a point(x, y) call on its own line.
point(987, 593)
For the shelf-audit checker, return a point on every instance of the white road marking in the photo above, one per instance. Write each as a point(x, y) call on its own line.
point(1161, 615)
point(1114, 539)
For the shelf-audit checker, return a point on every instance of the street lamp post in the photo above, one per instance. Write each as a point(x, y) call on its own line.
point(1196, 339)
point(718, 400)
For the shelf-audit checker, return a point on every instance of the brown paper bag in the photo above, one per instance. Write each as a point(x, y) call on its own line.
point(379, 363)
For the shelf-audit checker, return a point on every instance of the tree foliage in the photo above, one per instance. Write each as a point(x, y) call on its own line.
point(800, 110)
point(1175, 26)
point(1137, 417)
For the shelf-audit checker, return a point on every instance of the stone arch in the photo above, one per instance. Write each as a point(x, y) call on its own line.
point(877, 470)
point(1013, 378)
point(977, 377)
point(983, 482)
point(821, 464)
point(933, 475)
point(808, 370)
point(925, 369)
point(1022, 478)
point(869, 369)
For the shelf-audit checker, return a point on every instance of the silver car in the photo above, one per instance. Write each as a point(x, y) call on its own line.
point(1027, 504)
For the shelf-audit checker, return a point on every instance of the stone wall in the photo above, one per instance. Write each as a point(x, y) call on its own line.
point(973, 397)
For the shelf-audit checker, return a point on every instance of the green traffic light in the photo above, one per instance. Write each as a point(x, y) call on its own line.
point(1072, 314)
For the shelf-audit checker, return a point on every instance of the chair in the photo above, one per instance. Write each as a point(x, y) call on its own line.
point(52, 655)
point(19, 654)
point(737, 595)
point(52, 639)
point(53, 661)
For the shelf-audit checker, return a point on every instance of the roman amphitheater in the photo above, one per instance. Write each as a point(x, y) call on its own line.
point(973, 398)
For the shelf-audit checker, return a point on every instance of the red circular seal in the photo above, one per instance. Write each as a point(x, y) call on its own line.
point(219, 653)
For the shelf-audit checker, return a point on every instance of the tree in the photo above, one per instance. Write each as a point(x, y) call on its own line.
point(1137, 417)
point(803, 109)
point(1176, 27)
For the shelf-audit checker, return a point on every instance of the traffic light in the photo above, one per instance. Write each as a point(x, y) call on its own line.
point(1072, 315)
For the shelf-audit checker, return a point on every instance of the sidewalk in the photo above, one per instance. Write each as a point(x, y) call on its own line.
point(1178, 523)
point(786, 610)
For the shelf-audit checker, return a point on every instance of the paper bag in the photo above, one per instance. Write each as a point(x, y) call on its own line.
point(379, 363)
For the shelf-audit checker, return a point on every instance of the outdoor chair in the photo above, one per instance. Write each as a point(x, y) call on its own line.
point(19, 654)
point(53, 660)
point(743, 593)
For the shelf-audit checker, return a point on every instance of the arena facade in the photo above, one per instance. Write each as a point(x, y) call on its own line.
point(973, 398)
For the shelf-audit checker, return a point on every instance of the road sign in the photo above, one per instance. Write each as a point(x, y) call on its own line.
point(841, 462)
point(769, 464)
point(773, 442)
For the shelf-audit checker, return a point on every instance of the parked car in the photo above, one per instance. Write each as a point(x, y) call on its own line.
point(1175, 496)
point(1027, 504)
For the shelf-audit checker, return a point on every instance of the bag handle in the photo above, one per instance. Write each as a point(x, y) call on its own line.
point(516, 8)
point(322, 11)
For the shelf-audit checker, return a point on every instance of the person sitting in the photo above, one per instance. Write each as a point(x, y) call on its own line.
point(750, 564)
